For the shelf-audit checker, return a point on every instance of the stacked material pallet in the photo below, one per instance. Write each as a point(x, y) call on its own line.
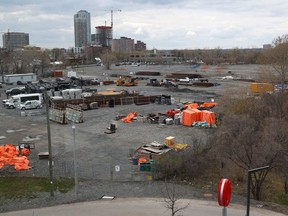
point(93, 105)
point(74, 113)
point(72, 93)
point(83, 106)
point(74, 107)
point(65, 94)
point(75, 93)
point(57, 116)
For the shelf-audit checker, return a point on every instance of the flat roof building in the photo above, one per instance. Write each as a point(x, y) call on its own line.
point(140, 46)
point(14, 40)
point(123, 44)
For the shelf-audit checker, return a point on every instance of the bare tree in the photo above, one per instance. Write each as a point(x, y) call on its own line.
point(245, 137)
point(277, 57)
point(107, 59)
point(278, 133)
point(16, 60)
point(277, 104)
point(4, 63)
point(171, 202)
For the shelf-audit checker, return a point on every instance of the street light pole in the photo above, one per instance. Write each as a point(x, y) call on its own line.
point(249, 186)
point(75, 163)
point(49, 145)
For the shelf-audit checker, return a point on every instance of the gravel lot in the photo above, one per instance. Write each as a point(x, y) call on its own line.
point(97, 152)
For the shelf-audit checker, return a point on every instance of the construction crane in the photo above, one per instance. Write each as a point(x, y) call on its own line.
point(112, 11)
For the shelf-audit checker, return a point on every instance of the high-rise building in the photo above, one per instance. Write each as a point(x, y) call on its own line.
point(13, 40)
point(82, 28)
point(104, 35)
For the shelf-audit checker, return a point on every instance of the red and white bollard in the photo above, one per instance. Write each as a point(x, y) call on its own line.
point(224, 194)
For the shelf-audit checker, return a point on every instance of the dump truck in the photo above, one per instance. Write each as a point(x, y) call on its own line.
point(126, 81)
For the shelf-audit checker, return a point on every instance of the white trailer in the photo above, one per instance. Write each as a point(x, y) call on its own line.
point(24, 78)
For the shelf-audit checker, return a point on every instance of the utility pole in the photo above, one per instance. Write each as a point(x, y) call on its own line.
point(49, 145)
point(75, 164)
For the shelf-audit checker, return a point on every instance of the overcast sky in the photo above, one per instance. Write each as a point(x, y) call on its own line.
point(161, 24)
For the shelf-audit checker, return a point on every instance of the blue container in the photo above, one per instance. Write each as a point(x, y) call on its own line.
point(135, 161)
point(142, 166)
point(147, 167)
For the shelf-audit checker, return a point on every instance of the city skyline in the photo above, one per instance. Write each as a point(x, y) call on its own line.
point(183, 24)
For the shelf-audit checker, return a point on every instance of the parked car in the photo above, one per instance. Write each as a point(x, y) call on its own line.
point(21, 83)
point(4, 101)
point(95, 81)
point(10, 103)
point(60, 79)
point(15, 91)
point(31, 105)
point(185, 80)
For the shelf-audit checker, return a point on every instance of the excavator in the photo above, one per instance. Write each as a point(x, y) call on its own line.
point(126, 81)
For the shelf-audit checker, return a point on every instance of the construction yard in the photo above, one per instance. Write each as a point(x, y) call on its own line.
point(105, 156)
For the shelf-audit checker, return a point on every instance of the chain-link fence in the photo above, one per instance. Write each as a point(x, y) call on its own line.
point(93, 171)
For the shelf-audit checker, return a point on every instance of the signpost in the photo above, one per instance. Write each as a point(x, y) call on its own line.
point(249, 187)
point(224, 194)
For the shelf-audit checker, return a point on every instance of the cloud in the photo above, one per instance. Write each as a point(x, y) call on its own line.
point(190, 34)
point(164, 24)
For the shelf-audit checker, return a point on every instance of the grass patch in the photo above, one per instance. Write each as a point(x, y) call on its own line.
point(283, 199)
point(28, 187)
point(273, 190)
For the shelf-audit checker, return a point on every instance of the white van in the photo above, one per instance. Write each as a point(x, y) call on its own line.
point(34, 104)
point(17, 100)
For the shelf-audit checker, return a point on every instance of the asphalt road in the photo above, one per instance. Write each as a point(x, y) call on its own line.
point(140, 207)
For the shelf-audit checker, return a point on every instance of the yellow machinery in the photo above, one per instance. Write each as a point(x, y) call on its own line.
point(126, 81)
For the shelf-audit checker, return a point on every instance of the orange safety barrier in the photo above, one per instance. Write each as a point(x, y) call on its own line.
point(209, 104)
point(10, 155)
point(129, 117)
point(25, 152)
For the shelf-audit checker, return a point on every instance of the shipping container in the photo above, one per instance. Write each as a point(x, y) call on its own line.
point(58, 73)
point(261, 87)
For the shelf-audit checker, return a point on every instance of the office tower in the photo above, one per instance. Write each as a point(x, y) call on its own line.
point(13, 40)
point(82, 28)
